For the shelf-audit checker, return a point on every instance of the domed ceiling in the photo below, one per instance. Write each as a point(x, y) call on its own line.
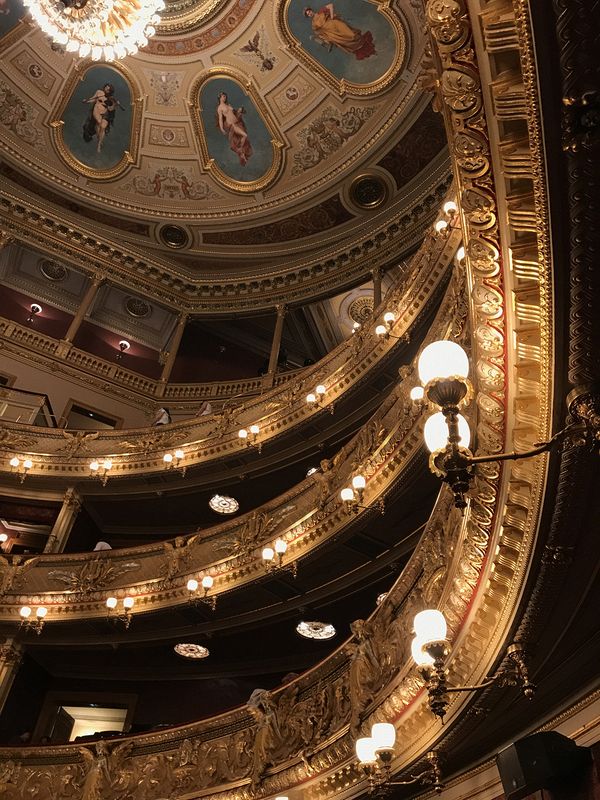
point(245, 143)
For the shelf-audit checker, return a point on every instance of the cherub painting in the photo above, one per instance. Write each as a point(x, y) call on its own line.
point(236, 142)
point(359, 42)
point(97, 119)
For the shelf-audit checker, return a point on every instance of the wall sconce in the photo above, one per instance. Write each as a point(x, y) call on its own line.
point(383, 331)
point(206, 583)
point(443, 370)
point(443, 224)
point(417, 394)
point(316, 399)
point(172, 460)
point(33, 623)
point(250, 435)
point(35, 309)
point(375, 754)
point(20, 468)
point(124, 346)
point(273, 558)
point(352, 496)
point(430, 649)
point(124, 616)
point(101, 469)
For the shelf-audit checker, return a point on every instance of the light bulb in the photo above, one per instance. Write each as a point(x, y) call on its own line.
point(107, 464)
point(450, 207)
point(94, 466)
point(443, 359)
point(3, 538)
point(254, 430)
point(365, 750)
point(111, 602)
point(179, 454)
point(207, 581)
point(41, 612)
point(14, 462)
point(440, 225)
point(311, 397)
point(268, 554)
point(380, 330)
point(280, 546)
point(347, 494)
point(192, 585)
point(25, 612)
point(243, 433)
point(167, 458)
point(460, 254)
point(128, 602)
point(27, 464)
point(384, 735)
point(420, 656)
point(417, 393)
point(430, 626)
point(436, 432)
point(359, 482)
point(320, 390)
point(389, 317)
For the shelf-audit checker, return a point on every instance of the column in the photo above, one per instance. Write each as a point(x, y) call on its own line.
point(376, 275)
point(172, 354)
point(281, 309)
point(83, 309)
point(11, 654)
point(63, 525)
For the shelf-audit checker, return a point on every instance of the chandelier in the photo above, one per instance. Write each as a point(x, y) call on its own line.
point(98, 29)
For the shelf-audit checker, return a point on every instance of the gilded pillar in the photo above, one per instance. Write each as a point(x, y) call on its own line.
point(63, 525)
point(281, 309)
point(11, 653)
point(376, 275)
point(172, 354)
point(83, 309)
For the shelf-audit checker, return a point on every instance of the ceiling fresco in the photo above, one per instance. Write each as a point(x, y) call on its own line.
point(242, 122)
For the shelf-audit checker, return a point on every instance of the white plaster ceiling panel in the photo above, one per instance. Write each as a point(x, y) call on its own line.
point(46, 280)
point(130, 315)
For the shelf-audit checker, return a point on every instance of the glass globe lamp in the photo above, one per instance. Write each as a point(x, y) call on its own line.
point(430, 626)
point(366, 750)
point(443, 370)
point(384, 735)
point(436, 432)
point(420, 656)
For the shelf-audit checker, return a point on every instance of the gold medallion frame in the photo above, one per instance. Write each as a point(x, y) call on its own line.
point(341, 85)
point(129, 157)
point(208, 162)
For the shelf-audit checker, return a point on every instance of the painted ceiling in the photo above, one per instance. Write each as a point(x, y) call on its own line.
point(320, 141)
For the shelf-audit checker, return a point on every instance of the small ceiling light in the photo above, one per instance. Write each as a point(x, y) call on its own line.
point(381, 330)
point(312, 471)
point(347, 494)
point(27, 464)
point(41, 612)
point(254, 429)
point(168, 458)
point(223, 504)
point(94, 466)
point(389, 317)
point(460, 254)
point(320, 390)
point(191, 650)
point(3, 538)
point(417, 393)
point(207, 582)
point(316, 630)
point(107, 464)
point(123, 347)
point(440, 226)
point(14, 462)
point(311, 398)
point(243, 433)
point(25, 612)
point(128, 602)
point(179, 454)
point(355, 327)
point(450, 208)
point(111, 602)
point(35, 309)
point(192, 585)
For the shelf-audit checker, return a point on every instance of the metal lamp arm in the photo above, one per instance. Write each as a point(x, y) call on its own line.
point(425, 774)
point(541, 447)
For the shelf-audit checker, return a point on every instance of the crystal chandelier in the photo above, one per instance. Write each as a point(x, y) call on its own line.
point(99, 29)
